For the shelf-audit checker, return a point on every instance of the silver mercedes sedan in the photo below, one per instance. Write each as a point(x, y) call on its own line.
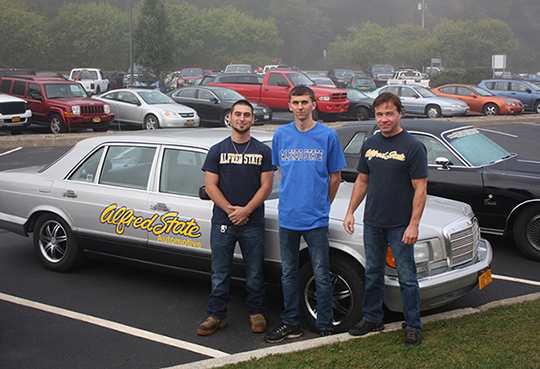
point(148, 109)
point(139, 198)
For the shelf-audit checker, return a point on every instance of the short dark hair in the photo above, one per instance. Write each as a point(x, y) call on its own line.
point(242, 102)
point(301, 90)
point(388, 97)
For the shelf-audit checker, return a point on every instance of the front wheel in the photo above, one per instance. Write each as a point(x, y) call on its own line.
point(362, 113)
point(527, 232)
point(55, 245)
point(225, 121)
point(56, 125)
point(537, 107)
point(150, 122)
point(348, 292)
point(490, 109)
point(433, 111)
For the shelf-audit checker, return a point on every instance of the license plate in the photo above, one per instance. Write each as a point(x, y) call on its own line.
point(16, 119)
point(267, 116)
point(341, 110)
point(96, 120)
point(485, 279)
point(190, 122)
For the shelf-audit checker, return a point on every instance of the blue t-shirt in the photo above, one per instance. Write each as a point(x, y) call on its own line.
point(391, 163)
point(306, 160)
point(239, 175)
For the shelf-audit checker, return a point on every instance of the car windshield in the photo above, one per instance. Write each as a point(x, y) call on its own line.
point(480, 91)
point(59, 90)
point(475, 147)
point(383, 68)
point(532, 86)
point(424, 92)
point(86, 74)
point(155, 97)
point(300, 79)
point(228, 95)
point(193, 72)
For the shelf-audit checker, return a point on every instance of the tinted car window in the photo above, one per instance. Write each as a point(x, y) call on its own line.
point(188, 92)
point(18, 88)
point(355, 145)
point(34, 90)
point(181, 172)
point(275, 79)
point(206, 95)
point(87, 170)
point(127, 166)
point(6, 86)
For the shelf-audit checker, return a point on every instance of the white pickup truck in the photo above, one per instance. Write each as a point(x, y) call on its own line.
point(92, 79)
point(409, 77)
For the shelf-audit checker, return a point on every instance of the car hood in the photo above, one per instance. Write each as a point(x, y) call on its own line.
point(446, 100)
point(518, 166)
point(174, 107)
point(321, 90)
point(76, 101)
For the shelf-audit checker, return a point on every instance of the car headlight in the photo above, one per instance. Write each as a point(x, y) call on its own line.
point(76, 110)
point(107, 109)
point(170, 114)
point(455, 106)
point(510, 103)
point(324, 98)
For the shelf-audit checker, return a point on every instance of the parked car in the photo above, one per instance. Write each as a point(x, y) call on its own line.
point(214, 103)
point(381, 73)
point(8, 72)
point(341, 77)
point(238, 68)
point(43, 73)
point(60, 104)
point(526, 92)
point(360, 105)
point(14, 114)
point(139, 199)
point(533, 78)
point(479, 100)
point(188, 76)
point(149, 84)
point(418, 100)
point(409, 77)
point(363, 83)
point(148, 109)
point(116, 80)
point(502, 188)
point(234, 78)
point(323, 81)
point(92, 79)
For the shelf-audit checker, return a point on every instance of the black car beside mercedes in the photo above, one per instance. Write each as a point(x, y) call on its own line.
point(502, 188)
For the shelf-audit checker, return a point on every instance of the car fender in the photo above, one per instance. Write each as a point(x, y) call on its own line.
point(515, 211)
point(43, 209)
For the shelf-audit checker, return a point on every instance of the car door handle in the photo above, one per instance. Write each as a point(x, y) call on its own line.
point(70, 194)
point(160, 206)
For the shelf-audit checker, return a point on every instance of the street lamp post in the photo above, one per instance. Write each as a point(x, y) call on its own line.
point(422, 8)
point(131, 42)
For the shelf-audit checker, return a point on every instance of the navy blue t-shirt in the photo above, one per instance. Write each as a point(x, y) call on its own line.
point(391, 163)
point(239, 175)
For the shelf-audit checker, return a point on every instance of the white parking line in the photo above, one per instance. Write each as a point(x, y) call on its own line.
point(116, 327)
point(513, 279)
point(499, 132)
point(11, 151)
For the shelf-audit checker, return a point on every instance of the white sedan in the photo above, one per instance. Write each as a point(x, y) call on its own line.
point(139, 197)
point(149, 109)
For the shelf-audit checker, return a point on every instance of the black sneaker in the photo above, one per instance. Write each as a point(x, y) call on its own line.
point(278, 334)
point(363, 327)
point(326, 333)
point(412, 337)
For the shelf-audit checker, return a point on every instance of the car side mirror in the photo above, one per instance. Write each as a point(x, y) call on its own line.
point(36, 96)
point(283, 84)
point(443, 162)
point(214, 100)
point(528, 90)
point(202, 193)
point(474, 96)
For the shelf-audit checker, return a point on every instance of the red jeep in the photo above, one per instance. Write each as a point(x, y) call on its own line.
point(61, 105)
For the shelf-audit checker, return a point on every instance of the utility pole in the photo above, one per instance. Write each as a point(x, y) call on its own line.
point(422, 8)
point(131, 42)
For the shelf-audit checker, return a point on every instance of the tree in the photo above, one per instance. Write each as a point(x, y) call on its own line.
point(153, 39)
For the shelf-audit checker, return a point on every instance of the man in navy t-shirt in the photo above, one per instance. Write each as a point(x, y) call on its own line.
point(239, 177)
point(393, 174)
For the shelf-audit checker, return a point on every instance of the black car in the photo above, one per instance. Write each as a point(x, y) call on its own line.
point(360, 105)
point(213, 103)
point(502, 188)
point(341, 77)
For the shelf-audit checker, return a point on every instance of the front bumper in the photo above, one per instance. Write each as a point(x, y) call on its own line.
point(15, 121)
point(88, 121)
point(331, 107)
point(166, 122)
point(443, 288)
point(454, 112)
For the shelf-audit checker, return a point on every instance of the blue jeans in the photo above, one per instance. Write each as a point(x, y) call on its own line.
point(251, 240)
point(376, 241)
point(318, 246)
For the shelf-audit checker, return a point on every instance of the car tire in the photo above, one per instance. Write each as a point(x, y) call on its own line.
point(316, 115)
point(490, 109)
point(527, 232)
point(433, 111)
point(150, 122)
point(362, 113)
point(537, 107)
point(55, 244)
point(348, 292)
point(225, 121)
point(56, 125)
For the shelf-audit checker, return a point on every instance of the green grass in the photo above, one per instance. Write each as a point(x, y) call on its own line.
point(502, 337)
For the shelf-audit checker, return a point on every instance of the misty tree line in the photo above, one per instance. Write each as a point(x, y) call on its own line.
point(170, 34)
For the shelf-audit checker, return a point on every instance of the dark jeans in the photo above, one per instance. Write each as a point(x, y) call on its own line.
point(251, 240)
point(376, 241)
point(318, 246)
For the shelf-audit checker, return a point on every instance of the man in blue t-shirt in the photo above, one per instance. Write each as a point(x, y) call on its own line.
point(393, 174)
point(239, 177)
point(309, 159)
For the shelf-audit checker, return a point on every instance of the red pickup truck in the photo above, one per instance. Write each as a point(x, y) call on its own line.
point(273, 90)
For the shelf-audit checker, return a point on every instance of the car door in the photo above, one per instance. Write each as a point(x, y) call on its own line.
point(35, 97)
point(209, 105)
point(107, 196)
point(275, 93)
point(129, 107)
point(469, 97)
point(411, 100)
point(182, 237)
point(521, 92)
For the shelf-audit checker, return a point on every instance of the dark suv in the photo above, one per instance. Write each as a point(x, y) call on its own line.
point(61, 105)
point(341, 77)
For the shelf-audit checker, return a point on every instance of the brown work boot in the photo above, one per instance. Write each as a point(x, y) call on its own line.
point(211, 325)
point(258, 323)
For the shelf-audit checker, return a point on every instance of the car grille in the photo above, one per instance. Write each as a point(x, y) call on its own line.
point(91, 109)
point(464, 244)
point(13, 107)
point(187, 115)
point(339, 96)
